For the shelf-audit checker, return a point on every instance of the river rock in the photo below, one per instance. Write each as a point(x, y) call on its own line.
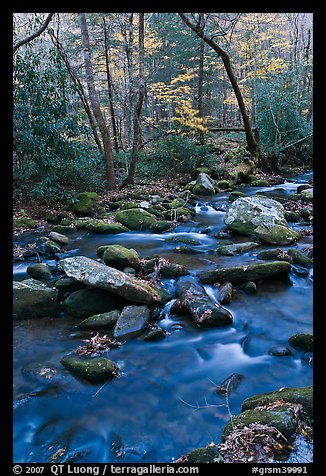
point(275, 254)
point(247, 213)
point(236, 248)
point(109, 279)
point(68, 285)
point(229, 384)
point(119, 257)
point(302, 341)
point(52, 248)
point(235, 195)
point(32, 299)
point(25, 222)
point(58, 238)
point(100, 321)
point(195, 300)
point(248, 287)
point(225, 293)
point(95, 369)
point(276, 234)
point(156, 333)
point(100, 226)
point(307, 194)
point(300, 395)
point(135, 219)
point(132, 319)
point(210, 454)
point(161, 225)
point(241, 274)
point(173, 270)
point(291, 216)
point(279, 351)
point(204, 185)
point(299, 258)
point(302, 187)
point(86, 204)
point(40, 271)
point(259, 183)
point(90, 301)
point(281, 417)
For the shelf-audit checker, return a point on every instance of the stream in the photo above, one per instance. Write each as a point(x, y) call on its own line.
point(163, 405)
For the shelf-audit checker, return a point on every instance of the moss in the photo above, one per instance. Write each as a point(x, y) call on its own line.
point(62, 229)
point(25, 223)
point(135, 219)
point(100, 321)
point(95, 369)
point(205, 455)
point(302, 341)
point(161, 225)
point(65, 221)
point(235, 195)
point(282, 418)
point(119, 257)
point(301, 395)
point(223, 184)
point(177, 202)
point(276, 235)
point(52, 248)
point(81, 223)
point(275, 254)
point(299, 258)
point(259, 183)
point(172, 270)
point(98, 226)
point(129, 205)
point(87, 203)
point(291, 216)
point(183, 239)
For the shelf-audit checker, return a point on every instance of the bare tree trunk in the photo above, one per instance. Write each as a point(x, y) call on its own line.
point(109, 80)
point(200, 86)
point(80, 92)
point(137, 115)
point(94, 100)
point(199, 30)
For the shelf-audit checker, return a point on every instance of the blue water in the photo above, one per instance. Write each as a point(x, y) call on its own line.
point(163, 404)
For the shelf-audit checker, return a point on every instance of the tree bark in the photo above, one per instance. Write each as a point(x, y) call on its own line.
point(200, 86)
point(137, 114)
point(94, 100)
point(199, 30)
point(109, 80)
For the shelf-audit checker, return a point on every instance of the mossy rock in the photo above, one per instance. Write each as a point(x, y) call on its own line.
point(204, 185)
point(33, 299)
point(276, 235)
point(58, 238)
point(161, 225)
point(52, 217)
point(157, 333)
point(135, 219)
point(82, 223)
point(296, 395)
point(307, 195)
point(259, 183)
point(275, 254)
point(302, 341)
point(63, 230)
point(299, 258)
point(223, 184)
point(98, 226)
point(86, 205)
point(177, 202)
point(52, 248)
point(302, 187)
point(25, 222)
point(115, 205)
point(90, 301)
point(105, 320)
point(183, 239)
point(65, 221)
point(281, 417)
point(294, 196)
point(291, 216)
point(173, 270)
point(95, 369)
point(40, 271)
point(119, 257)
point(204, 455)
point(155, 211)
point(129, 205)
point(235, 195)
point(68, 285)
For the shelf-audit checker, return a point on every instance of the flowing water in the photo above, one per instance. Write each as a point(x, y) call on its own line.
point(163, 404)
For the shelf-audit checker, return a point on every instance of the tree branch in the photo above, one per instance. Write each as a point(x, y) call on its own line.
point(35, 34)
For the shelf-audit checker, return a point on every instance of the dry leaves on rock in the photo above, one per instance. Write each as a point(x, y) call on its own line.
point(97, 345)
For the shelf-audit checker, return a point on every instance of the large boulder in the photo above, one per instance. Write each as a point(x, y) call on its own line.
point(90, 301)
point(120, 257)
point(135, 219)
point(100, 276)
point(132, 320)
point(197, 302)
point(241, 274)
point(204, 185)
point(32, 299)
point(86, 204)
point(276, 234)
point(247, 213)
